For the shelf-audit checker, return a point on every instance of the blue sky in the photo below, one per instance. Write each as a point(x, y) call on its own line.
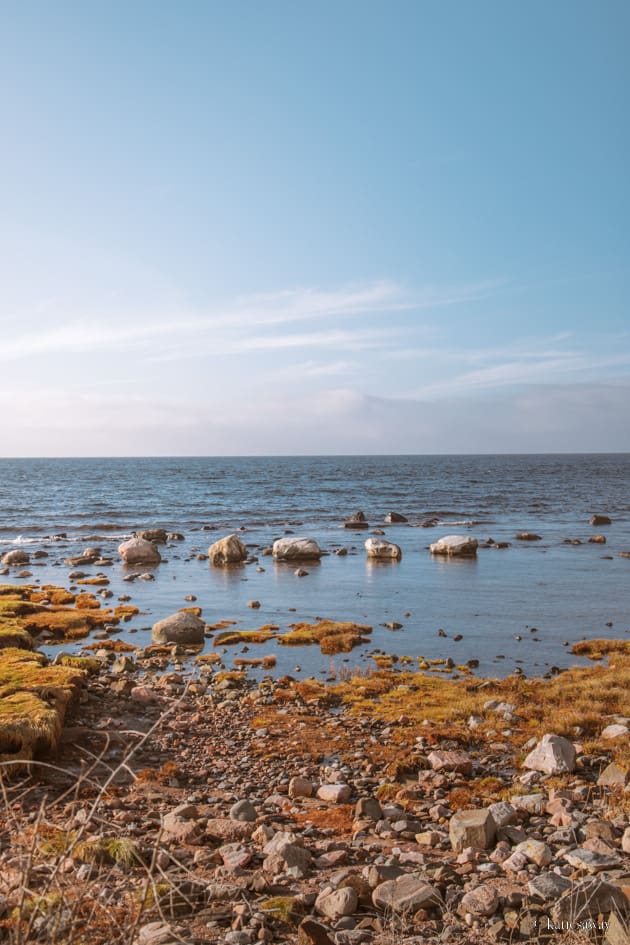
point(288, 227)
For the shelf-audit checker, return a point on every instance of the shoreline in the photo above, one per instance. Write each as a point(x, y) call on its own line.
point(353, 787)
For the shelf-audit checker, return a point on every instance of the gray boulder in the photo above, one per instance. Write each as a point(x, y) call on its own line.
point(179, 628)
point(296, 549)
point(385, 550)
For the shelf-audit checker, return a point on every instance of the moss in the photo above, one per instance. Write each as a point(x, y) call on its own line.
point(98, 581)
point(12, 635)
point(333, 636)
point(233, 637)
point(126, 611)
point(123, 851)
point(208, 658)
point(289, 909)
point(115, 646)
point(34, 697)
point(598, 649)
point(86, 663)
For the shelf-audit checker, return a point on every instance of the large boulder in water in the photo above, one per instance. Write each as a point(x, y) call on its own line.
point(15, 557)
point(296, 549)
point(455, 545)
point(181, 627)
point(385, 550)
point(139, 551)
point(228, 550)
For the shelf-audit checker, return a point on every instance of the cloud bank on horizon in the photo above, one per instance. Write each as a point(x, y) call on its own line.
point(314, 230)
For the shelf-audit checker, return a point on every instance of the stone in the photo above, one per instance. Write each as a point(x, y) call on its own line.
point(482, 900)
point(337, 902)
point(137, 551)
point(228, 550)
point(288, 858)
point(395, 518)
point(618, 931)
point(472, 828)
point(451, 761)
point(407, 894)
point(156, 535)
point(300, 787)
point(613, 775)
point(600, 520)
point(15, 557)
point(155, 933)
point(335, 793)
point(182, 829)
point(181, 627)
point(587, 899)
point(235, 856)
point(582, 859)
point(615, 731)
point(229, 831)
point(552, 755)
point(548, 886)
point(625, 840)
point(455, 546)
point(536, 851)
point(243, 811)
point(296, 549)
point(528, 536)
point(503, 813)
point(530, 803)
point(379, 548)
point(311, 932)
point(368, 808)
point(358, 520)
point(597, 539)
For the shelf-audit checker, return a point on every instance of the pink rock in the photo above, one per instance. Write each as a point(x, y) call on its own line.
point(335, 793)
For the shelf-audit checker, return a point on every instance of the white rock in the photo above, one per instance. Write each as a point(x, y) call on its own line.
point(379, 548)
point(452, 545)
point(536, 851)
point(15, 557)
point(335, 793)
point(552, 755)
point(228, 550)
point(139, 551)
point(615, 731)
point(296, 549)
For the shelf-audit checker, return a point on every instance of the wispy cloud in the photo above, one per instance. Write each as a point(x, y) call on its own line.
point(246, 324)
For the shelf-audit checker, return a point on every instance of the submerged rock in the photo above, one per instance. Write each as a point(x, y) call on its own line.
point(601, 520)
point(395, 518)
point(156, 535)
point(358, 520)
point(455, 545)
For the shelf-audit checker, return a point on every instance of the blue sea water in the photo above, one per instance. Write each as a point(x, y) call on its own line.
point(566, 591)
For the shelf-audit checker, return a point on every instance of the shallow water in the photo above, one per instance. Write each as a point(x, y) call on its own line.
point(568, 592)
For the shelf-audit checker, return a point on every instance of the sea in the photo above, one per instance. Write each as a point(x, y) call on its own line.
point(518, 608)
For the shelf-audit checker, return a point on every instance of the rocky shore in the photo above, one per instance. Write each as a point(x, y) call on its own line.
point(185, 803)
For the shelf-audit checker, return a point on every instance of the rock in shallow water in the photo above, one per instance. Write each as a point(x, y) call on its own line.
point(179, 628)
point(296, 549)
point(455, 545)
point(138, 551)
point(228, 550)
point(379, 548)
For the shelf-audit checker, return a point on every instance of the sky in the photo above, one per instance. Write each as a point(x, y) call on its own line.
point(246, 227)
